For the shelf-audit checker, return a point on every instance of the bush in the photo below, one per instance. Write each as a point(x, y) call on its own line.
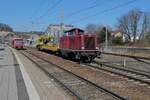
point(117, 40)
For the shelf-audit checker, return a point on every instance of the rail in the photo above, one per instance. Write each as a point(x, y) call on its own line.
point(76, 94)
point(125, 55)
point(137, 76)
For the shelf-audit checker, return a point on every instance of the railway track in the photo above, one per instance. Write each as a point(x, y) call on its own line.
point(126, 55)
point(78, 86)
point(125, 72)
point(119, 64)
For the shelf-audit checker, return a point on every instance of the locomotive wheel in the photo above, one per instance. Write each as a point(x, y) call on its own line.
point(92, 58)
point(89, 59)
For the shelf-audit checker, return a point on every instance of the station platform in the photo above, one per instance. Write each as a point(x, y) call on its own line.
point(20, 79)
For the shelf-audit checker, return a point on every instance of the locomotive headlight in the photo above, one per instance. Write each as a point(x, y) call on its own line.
point(97, 48)
point(82, 48)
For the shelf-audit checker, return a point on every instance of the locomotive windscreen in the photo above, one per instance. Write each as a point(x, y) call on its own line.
point(89, 43)
point(19, 41)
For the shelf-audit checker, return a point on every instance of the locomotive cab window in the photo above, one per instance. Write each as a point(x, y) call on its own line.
point(80, 33)
point(71, 33)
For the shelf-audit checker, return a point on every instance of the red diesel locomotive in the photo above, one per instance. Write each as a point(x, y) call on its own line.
point(77, 45)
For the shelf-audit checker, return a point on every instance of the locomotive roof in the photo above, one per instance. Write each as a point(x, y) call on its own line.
point(80, 30)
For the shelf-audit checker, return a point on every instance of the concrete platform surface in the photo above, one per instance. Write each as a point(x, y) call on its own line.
point(46, 88)
point(20, 79)
point(12, 85)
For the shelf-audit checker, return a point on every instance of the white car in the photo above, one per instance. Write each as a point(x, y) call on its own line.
point(2, 46)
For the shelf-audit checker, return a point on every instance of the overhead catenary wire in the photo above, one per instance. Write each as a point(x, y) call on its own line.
point(84, 9)
point(104, 11)
point(41, 3)
point(50, 9)
point(47, 11)
point(32, 22)
point(81, 10)
point(39, 7)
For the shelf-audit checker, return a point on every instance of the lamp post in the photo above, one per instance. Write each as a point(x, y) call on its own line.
point(106, 38)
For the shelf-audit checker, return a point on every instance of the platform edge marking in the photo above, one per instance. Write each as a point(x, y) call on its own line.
point(33, 95)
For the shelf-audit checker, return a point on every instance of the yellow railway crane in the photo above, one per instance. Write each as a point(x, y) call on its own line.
point(47, 43)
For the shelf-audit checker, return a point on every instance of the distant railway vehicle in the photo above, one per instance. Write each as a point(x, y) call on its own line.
point(47, 43)
point(18, 43)
point(74, 44)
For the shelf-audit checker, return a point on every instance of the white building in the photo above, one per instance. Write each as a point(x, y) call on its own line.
point(56, 30)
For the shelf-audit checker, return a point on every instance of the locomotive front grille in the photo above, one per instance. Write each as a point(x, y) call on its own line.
point(89, 43)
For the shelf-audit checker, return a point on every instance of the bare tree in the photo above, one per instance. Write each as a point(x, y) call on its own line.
point(133, 24)
point(135, 16)
point(145, 25)
point(124, 26)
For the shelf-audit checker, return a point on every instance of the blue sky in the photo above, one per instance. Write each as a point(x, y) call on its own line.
point(20, 14)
